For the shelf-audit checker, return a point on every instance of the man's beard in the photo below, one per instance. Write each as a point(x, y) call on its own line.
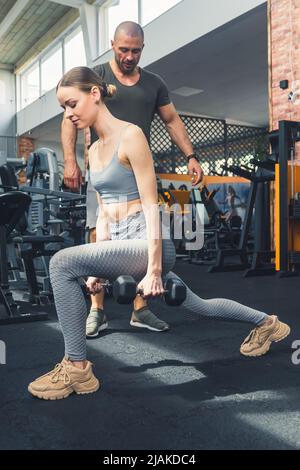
point(124, 70)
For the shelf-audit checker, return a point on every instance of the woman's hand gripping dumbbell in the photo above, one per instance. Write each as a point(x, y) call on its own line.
point(94, 285)
point(150, 284)
point(125, 289)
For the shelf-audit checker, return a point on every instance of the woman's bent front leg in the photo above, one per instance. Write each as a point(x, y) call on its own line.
point(108, 260)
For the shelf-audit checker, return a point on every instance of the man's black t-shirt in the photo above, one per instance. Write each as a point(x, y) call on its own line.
point(137, 103)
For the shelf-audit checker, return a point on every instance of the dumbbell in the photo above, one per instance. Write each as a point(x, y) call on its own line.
point(125, 291)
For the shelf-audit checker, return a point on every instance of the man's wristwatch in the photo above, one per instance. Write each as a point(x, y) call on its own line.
point(192, 155)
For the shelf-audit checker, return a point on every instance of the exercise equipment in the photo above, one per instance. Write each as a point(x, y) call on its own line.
point(31, 245)
point(42, 172)
point(13, 205)
point(125, 290)
point(260, 174)
point(53, 210)
point(287, 187)
point(219, 233)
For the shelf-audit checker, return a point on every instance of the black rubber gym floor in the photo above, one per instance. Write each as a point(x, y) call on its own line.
point(188, 388)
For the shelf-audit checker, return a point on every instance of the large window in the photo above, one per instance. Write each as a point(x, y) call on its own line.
point(124, 10)
point(151, 9)
point(114, 12)
point(74, 50)
point(51, 67)
point(30, 85)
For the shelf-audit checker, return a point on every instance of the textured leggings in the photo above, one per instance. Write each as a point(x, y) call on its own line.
point(108, 260)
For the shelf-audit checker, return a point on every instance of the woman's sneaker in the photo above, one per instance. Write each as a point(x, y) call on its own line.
point(95, 322)
point(259, 340)
point(63, 380)
point(144, 318)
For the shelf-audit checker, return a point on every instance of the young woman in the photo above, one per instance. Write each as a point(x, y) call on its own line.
point(128, 239)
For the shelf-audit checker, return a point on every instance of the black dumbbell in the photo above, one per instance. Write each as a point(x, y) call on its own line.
point(175, 292)
point(125, 291)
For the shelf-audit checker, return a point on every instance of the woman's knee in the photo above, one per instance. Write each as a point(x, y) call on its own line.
point(58, 261)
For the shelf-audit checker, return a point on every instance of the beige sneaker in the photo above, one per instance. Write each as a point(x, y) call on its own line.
point(63, 380)
point(259, 340)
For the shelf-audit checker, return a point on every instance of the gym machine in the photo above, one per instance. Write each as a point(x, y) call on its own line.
point(287, 199)
point(35, 240)
point(218, 232)
point(58, 212)
point(227, 241)
point(13, 205)
point(260, 177)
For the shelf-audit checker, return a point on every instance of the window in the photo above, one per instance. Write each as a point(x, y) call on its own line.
point(125, 10)
point(154, 8)
point(30, 85)
point(51, 69)
point(47, 69)
point(74, 50)
point(2, 92)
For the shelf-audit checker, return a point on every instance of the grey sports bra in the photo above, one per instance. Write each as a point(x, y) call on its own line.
point(115, 183)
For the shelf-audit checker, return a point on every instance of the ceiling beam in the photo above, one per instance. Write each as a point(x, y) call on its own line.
point(99, 3)
point(9, 67)
point(11, 16)
point(88, 20)
point(70, 3)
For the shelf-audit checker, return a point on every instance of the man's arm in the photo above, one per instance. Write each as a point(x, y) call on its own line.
point(72, 173)
point(180, 137)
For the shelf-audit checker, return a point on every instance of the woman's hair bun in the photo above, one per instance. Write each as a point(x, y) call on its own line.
point(110, 90)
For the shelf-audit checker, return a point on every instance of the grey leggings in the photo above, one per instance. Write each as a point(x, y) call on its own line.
point(108, 260)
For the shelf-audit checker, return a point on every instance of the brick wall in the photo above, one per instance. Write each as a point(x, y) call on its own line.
point(284, 60)
point(284, 63)
point(25, 146)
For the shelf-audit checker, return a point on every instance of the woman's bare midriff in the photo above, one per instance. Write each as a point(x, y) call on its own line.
point(120, 211)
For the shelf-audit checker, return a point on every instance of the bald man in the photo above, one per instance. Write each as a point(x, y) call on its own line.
point(140, 94)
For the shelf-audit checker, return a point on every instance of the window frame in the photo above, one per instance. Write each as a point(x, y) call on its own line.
point(51, 52)
point(42, 56)
point(33, 65)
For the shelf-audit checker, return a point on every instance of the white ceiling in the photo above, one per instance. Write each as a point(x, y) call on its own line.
point(230, 64)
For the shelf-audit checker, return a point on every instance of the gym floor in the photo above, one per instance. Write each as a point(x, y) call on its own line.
point(188, 388)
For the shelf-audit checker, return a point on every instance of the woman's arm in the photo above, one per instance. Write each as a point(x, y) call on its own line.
point(94, 284)
point(137, 150)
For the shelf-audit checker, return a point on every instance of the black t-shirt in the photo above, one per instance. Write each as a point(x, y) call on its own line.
point(137, 103)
